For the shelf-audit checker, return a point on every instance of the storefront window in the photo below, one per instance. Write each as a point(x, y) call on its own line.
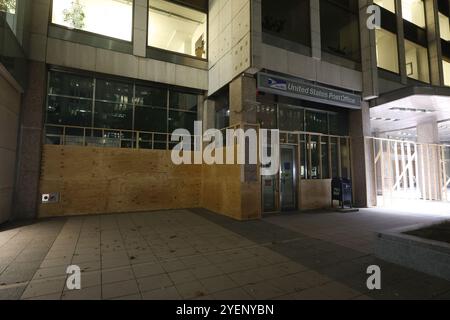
point(341, 37)
point(316, 121)
point(112, 18)
point(291, 118)
point(417, 61)
point(414, 12)
point(444, 26)
point(177, 28)
point(83, 101)
point(387, 53)
point(286, 19)
point(387, 4)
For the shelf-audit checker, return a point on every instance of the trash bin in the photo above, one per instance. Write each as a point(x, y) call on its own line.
point(341, 190)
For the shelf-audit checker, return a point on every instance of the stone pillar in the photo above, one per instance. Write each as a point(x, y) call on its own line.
point(316, 42)
point(26, 197)
point(243, 100)
point(209, 114)
point(428, 132)
point(243, 111)
point(429, 160)
point(140, 27)
point(362, 158)
point(434, 43)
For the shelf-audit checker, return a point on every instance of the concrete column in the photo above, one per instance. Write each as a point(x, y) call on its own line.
point(26, 197)
point(209, 114)
point(362, 158)
point(316, 42)
point(243, 100)
point(428, 132)
point(401, 42)
point(429, 183)
point(36, 45)
point(368, 53)
point(140, 27)
point(243, 111)
point(434, 43)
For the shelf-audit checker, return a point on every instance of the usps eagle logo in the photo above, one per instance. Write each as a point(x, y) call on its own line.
point(277, 84)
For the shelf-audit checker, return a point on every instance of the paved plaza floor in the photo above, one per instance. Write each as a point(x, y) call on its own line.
point(196, 254)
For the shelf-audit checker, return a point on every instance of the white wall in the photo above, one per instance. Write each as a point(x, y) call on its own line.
point(229, 41)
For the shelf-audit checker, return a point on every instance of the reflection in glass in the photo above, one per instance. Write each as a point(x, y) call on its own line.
point(316, 121)
point(114, 91)
point(68, 111)
point(113, 115)
point(67, 84)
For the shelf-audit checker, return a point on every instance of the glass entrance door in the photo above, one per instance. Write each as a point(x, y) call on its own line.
point(288, 190)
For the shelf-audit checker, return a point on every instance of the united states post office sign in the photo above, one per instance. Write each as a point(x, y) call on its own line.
point(306, 90)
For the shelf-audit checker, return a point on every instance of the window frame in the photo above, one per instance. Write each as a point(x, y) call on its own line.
point(169, 52)
point(133, 82)
point(90, 33)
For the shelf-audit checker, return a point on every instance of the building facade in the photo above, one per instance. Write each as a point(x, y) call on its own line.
point(93, 89)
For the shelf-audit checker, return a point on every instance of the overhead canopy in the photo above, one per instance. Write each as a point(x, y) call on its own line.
point(407, 107)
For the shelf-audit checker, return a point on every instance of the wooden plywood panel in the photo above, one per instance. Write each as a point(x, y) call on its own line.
point(315, 194)
point(101, 180)
point(221, 189)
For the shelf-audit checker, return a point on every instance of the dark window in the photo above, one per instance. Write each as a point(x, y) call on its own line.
point(69, 111)
point(113, 91)
point(67, 84)
point(291, 118)
point(338, 123)
point(113, 115)
point(183, 101)
point(287, 19)
point(339, 23)
point(316, 121)
point(150, 119)
point(118, 105)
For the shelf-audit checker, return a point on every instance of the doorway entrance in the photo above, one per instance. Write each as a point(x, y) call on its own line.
point(288, 190)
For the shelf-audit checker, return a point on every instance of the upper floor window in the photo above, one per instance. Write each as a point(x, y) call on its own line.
point(112, 18)
point(289, 20)
point(417, 66)
point(387, 4)
point(444, 26)
point(414, 12)
point(387, 50)
point(339, 23)
point(177, 28)
point(446, 68)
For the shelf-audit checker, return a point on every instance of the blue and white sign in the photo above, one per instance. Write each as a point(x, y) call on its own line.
point(307, 90)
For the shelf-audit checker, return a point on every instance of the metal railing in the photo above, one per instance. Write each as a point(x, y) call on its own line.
point(108, 138)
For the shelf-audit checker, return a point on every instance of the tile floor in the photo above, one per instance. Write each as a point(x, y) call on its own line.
point(195, 254)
